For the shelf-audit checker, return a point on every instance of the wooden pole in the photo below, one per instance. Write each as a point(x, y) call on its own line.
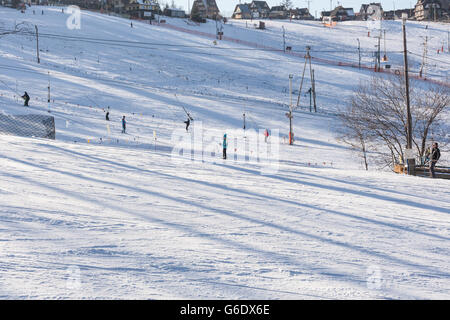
point(303, 75)
point(291, 140)
point(314, 90)
point(37, 44)
point(411, 162)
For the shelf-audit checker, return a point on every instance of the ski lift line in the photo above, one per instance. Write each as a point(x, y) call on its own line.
point(247, 114)
point(14, 91)
point(117, 42)
point(438, 60)
point(187, 113)
point(125, 83)
point(111, 81)
point(62, 103)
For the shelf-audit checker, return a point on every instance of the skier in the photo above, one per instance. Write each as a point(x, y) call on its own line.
point(107, 115)
point(434, 158)
point(26, 97)
point(188, 122)
point(225, 145)
point(132, 24)
point(124, 125)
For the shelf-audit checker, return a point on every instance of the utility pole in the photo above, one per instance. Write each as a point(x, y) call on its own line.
point(314, 90)
point(411, 162)
point(359, 53)
point(424, 58)
point(308, 2)
point(379, 53)
point(448, 41)
point(284, 40)
point(244, 120)
point(37, 44)
point(434, 6)
point(48, 98)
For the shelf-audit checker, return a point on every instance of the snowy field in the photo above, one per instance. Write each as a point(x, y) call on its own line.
point(97, 214)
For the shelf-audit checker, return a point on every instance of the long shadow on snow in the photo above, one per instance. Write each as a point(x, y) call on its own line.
point(254, 194)
point(353, 183)
point(249, 219)
point(345, 190)
point(270, 255)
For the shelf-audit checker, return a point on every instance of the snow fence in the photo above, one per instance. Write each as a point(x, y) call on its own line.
point(32, 125)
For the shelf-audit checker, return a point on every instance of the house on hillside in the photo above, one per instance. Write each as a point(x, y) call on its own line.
point(325, 15)
point(119, 6)
point(242, 11)
point(279, 12)
point(300, 14)
point(338, 14)
point(259, 9)
point(86, 4)
point(143, 9)
point(432, 10)
point(7, 3)
point(174, 13)
point(205, 9)
point(397, 14)
point(369, 9)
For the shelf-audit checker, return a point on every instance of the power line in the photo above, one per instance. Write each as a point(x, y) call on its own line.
point(145, 45)
point(415, 54)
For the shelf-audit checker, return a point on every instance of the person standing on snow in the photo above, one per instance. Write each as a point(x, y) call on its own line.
point(124, 125)
point(434, 158)
point(225, 146)
point(188, 122)
point(26, 97)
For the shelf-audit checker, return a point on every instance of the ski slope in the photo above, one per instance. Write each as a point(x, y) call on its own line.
point(97, 214)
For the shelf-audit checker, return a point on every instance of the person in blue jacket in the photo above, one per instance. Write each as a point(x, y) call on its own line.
point(225, 145)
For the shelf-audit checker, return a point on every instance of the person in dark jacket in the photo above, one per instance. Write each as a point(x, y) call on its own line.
point(225, 146)
point(26, 97)
point(124, 125)
point(107, 115)
point(434, 158)
point(188, 122)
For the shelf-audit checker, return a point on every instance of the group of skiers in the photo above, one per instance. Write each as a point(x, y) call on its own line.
point(433, 154)
point(124, 121)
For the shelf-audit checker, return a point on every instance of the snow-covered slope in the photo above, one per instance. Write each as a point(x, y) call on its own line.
point(117, 218)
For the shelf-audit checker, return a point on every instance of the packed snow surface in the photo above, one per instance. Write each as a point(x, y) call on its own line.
point(98, 214)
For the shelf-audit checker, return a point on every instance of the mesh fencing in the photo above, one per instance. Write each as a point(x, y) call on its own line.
point(39, 126)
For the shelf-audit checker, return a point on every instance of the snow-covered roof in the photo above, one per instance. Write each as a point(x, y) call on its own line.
point(244, 8)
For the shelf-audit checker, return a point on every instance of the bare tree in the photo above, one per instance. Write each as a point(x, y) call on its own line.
point(354, 134)
point(376, 117)
point(287, 4)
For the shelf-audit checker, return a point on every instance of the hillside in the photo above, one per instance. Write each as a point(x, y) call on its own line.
point(100, 214)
